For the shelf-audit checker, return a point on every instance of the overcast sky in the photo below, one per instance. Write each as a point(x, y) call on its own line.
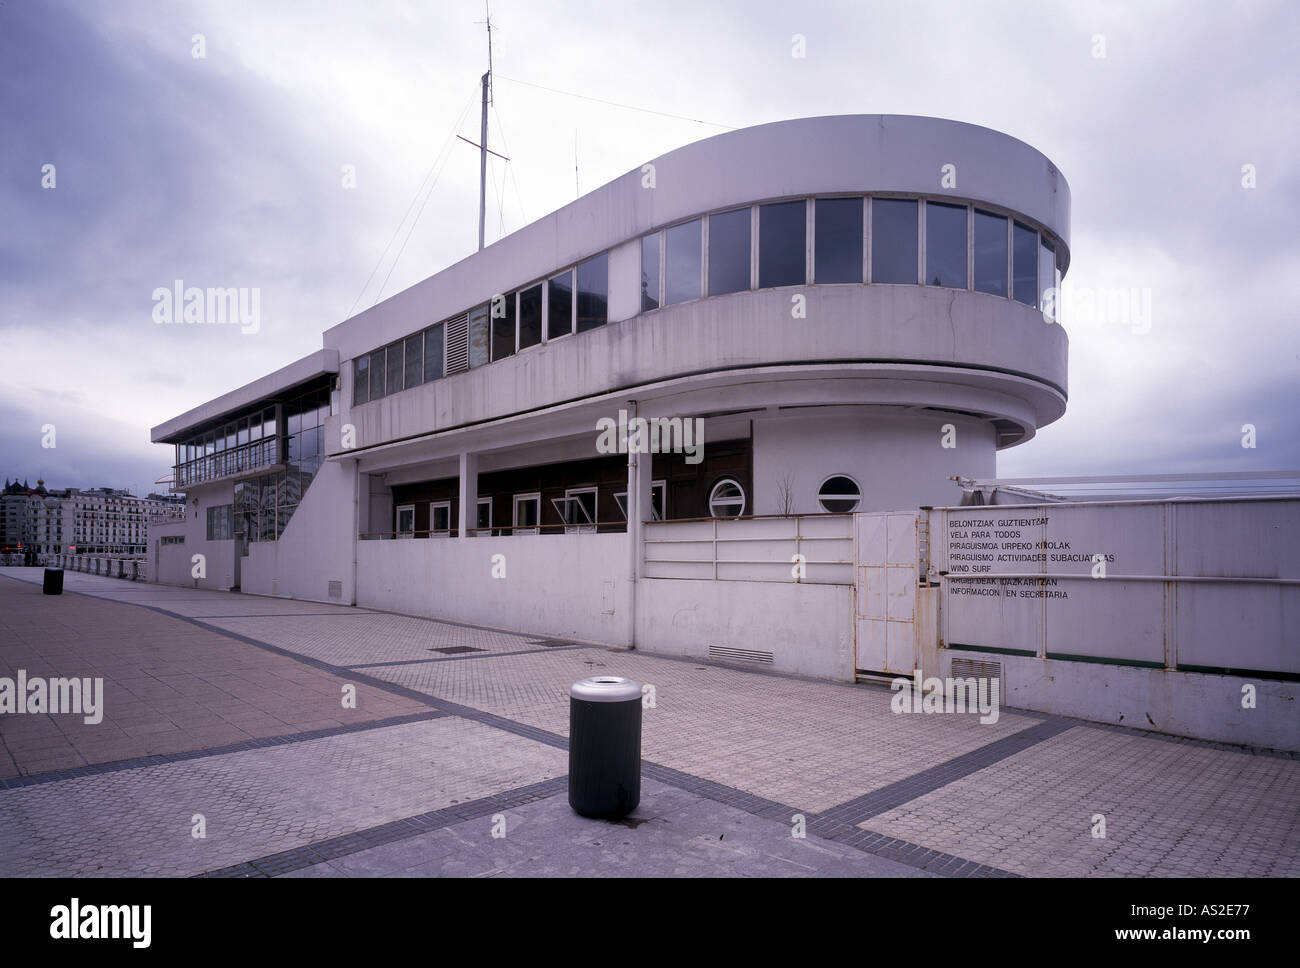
point(226, 170)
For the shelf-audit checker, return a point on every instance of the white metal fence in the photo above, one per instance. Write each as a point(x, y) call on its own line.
point(813, 549)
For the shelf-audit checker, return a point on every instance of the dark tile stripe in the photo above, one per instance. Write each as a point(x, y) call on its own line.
point(854, 812)
point(159, 759)
point(310, 855)
point(454, 658)
point(351, 610)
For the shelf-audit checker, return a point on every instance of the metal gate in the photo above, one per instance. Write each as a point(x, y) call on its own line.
point(884, 591)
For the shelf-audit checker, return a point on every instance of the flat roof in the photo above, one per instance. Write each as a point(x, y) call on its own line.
point(321, 363)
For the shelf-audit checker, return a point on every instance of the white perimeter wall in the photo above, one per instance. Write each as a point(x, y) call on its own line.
point(1180, 703)
point(807, 628)
point(563, 586)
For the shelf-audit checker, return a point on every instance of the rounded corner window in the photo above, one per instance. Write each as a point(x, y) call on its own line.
point(839, 494)
point(727, 499)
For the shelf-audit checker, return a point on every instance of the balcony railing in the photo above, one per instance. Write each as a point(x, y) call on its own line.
point(258, 455)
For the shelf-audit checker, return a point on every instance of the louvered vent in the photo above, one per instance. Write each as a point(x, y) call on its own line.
point(336, 589)
point(458, 344)
point(977, 669)
point(723, 654)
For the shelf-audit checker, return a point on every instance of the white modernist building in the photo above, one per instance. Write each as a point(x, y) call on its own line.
point(743, 404)
point(820, 315)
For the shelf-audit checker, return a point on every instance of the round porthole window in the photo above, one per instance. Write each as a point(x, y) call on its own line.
point(839, 494)
point(727, 499)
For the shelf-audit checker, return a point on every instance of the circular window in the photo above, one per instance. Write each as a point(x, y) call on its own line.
point(727, 499)
point(839, 494)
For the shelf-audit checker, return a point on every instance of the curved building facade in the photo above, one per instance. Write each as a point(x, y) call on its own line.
point(819, 315)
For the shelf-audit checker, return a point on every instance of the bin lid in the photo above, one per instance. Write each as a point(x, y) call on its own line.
point(606, 689)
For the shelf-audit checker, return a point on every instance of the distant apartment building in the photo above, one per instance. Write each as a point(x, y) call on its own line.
point(75, 521)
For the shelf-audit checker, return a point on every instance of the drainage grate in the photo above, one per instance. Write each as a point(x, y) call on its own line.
point(725, 654)
point(457, 649)
point(977, 669)
point(336, 589)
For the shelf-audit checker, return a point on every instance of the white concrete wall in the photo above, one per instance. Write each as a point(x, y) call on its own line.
point(316, 547)
point(807, 628)
point(906, 345)
point(897, 460)
point(175, 562)
point(1177, 703)
point(565, 586)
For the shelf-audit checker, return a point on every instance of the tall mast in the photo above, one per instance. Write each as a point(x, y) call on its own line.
point(482, 162)
point(483, 149)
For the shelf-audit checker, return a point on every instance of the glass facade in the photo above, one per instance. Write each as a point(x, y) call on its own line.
point(244, 444)
point(265, 504)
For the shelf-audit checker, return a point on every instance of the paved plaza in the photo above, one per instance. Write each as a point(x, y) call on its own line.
point(224, 713)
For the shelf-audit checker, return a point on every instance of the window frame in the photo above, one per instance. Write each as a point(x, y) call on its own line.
point(925, 242)
point(478, 528)
point(757, 236)
point(863, 230)
point(620, 501)
point(659, 274)
point(702, 223)
point(749, 286)
point(572, 273)
point(870, 229)
point(713, 498)
point(572, 498)
point(541, 286)
point(434, 507)
point(398, 530)
point(822, 496)
point(522, 498)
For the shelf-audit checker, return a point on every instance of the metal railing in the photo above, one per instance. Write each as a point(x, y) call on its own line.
point(498, 531)
point(246, 458)
point(131, 569)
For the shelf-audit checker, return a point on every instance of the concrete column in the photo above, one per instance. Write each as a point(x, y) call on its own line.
point(639, 505)
point(467, 518)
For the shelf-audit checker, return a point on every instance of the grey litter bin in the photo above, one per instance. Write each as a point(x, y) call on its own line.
point(53, 581)
point(605, 746)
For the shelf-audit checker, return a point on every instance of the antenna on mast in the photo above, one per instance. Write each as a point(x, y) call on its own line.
point(484, 151)
point(577, 192)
